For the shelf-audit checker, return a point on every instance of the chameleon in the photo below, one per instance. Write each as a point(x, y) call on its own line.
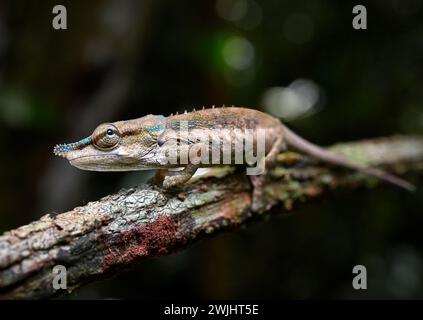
point(140, 144)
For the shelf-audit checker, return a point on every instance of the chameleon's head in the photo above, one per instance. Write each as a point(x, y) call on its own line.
point(118, 146)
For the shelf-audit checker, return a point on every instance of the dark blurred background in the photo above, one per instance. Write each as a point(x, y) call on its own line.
point(299, 60)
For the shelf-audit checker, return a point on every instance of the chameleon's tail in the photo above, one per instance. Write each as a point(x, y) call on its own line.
point(313, 150)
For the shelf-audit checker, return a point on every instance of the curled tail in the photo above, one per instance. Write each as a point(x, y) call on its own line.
point(313, 150)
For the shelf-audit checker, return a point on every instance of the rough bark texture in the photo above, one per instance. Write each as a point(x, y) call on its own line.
point(106, 236)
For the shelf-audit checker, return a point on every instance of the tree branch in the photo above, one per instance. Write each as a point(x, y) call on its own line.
point(106, 236)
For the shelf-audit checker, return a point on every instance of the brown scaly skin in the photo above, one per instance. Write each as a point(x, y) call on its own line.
point(138, 144)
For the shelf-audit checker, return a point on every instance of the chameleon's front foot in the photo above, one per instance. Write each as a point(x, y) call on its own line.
point(176, 179)
point(172, 182)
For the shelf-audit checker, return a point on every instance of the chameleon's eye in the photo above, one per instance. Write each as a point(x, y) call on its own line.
point(106, 136)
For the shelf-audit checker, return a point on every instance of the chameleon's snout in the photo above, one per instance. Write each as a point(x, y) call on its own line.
point(62, 149)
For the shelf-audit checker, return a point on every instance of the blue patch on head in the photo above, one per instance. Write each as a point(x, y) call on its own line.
point(63, 148)
point(85, 141)
point(156, 128)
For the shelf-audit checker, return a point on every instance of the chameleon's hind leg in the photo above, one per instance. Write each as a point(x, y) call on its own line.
point(259, 203)
point(177, 178)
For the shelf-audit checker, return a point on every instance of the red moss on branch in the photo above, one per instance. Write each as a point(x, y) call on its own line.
point(155, 238)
